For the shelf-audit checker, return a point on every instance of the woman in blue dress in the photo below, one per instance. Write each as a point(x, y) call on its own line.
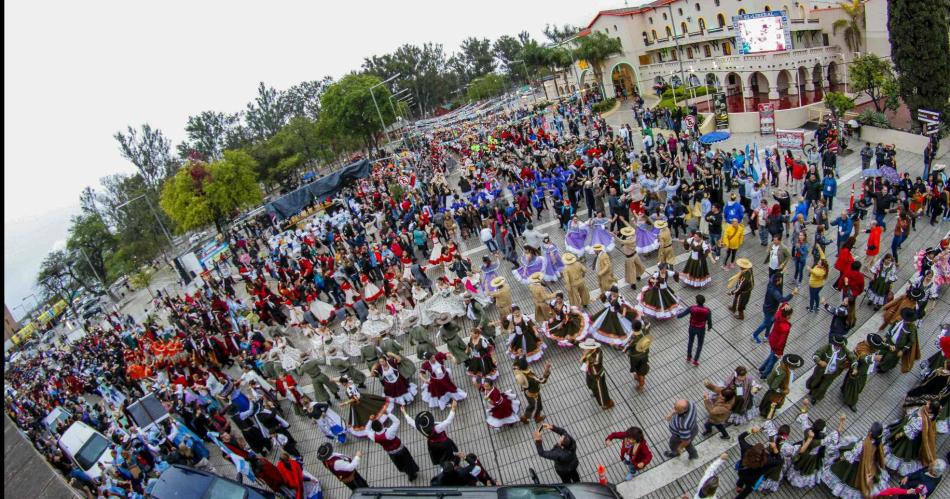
point(552, 261)
point(531, 263)
point(646, 236)
point(489, 272)
point(576, 239)
point(599, 234)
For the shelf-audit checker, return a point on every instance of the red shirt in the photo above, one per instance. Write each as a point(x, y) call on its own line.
point(779, 335)
point(641, 455)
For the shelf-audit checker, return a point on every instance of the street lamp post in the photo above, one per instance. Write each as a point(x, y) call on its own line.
point(375, 105)
point(527, 79)
point(679, 53)
point(154, 213)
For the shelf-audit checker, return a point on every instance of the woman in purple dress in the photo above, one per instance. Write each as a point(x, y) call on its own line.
point(599, 233)
point(489, 272)
point(552, 261)
point(531, 263)
point(646, 236)
point(576, 239)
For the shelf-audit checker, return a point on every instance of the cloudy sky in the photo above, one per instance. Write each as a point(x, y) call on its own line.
point(77, 72)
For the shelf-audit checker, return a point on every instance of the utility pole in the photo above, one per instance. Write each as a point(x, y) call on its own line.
point(679, 54)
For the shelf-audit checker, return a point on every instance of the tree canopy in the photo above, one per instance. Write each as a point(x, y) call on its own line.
point(350, 105)
point(873, 76)
point(919, 48)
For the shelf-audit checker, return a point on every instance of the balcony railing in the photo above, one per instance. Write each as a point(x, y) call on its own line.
point(740, 62)
point(715, 30)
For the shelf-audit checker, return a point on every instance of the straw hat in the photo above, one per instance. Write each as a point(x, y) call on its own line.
point(660, 224)
point(567, 258)
point(598, 247)
point(498, 282)
point(744, 263)
point(589, 344)
point(627, 232)
point(535, 278)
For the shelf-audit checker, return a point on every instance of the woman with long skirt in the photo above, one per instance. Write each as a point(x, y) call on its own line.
point(576, 239)
point(401, 390)
point(438, 390)
point(658, 299)
point(364, 408)
point(614, 323)
point(502, 407)
point(523, 339)
point(567, 325)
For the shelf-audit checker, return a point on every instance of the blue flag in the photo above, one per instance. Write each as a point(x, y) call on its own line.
point(240, 463)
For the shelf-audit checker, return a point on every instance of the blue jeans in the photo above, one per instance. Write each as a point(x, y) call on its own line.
point(800, 269)
point(631, 470)
point(813, 300)
point(766, 368)
point(491, 245)
point(765, 327)
point(879, 218)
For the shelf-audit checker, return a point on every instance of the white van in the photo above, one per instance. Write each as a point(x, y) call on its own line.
point(88, 448)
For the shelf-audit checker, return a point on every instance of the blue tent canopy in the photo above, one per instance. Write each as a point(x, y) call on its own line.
point(309, 175)
point(713, 137)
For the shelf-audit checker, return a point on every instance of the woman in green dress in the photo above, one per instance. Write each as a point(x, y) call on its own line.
point(912, 442)
point(935, 387)
point(568, 325)
point(450, 335)
point(364, 408)
point(805, 459)
point(523, 339)
point(858, 471)
point(866, 353)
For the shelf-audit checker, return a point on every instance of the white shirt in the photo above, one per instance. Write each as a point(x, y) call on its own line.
point(773, 257)
point(711, 471)
point(486, 234)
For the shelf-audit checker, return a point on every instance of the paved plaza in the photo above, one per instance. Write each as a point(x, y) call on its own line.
point(509, 454)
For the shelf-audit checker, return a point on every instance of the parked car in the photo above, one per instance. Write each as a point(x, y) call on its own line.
point(88, 448)
point(182, 482)
point(556, 491)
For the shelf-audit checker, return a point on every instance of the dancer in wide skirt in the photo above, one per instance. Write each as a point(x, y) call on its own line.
point(576, 239)
point(695, 273)
point(438, 390)
point(567, 325)
point(614, 324)
point(481, 357)
point(884, 274)
point(552, 261)
point(647, 236)
point(657, 299)
point(531, 263)
point(523, 339)
point(502, 406)
point(364, 408)
point(599, 233)
point(401, 390)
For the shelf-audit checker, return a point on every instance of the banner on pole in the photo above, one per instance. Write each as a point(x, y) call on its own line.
point(790, 139)
point(766, 118)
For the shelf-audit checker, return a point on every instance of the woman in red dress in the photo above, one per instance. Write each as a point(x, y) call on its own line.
point(395, 385)
point(503, 407)
point(438, 390)
point(844, 261)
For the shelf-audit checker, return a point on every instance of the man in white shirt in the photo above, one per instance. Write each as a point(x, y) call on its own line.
point(488, 239)
point(342, 467)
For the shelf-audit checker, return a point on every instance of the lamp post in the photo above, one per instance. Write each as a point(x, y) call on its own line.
point(534, 94)
point(679, 54)
point(577, 81)
point(375, 105)
point(154, 213)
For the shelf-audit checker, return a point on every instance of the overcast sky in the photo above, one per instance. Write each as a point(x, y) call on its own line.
point(77, 72)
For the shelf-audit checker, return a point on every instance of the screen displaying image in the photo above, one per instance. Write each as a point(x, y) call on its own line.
point(762, 32)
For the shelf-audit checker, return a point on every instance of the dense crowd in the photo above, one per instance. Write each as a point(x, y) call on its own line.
point(379, 273)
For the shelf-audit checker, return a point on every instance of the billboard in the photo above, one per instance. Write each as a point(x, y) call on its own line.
point(790, 139)
point(766, 118)
point(762, 32)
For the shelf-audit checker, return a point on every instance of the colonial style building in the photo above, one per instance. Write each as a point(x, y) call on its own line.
point(671, 41)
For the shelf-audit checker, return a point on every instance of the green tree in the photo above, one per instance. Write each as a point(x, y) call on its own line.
point(139, 236)
point(559, 34)
point(873, 76)
point(595, 49)
point(268, 113)
point(143, 279)
point(201, 194)
point(507, 50)
point(303, 99)
point(484, 87)
point(57, 278)
point(853, 26)
point(91, 243)
point(349, 104)
point(423, 70)
point(476, 57)
point(149, 151)
point(838, 103)
point(919, 48)
point(209, 134)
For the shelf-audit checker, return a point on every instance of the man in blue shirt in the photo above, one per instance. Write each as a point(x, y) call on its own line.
point(845, 227)
point(829, 189)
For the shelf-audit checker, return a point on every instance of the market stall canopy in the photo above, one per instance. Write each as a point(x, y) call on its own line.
point(293, 202)
point(713, 137)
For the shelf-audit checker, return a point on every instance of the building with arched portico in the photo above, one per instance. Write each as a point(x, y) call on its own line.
point(671, 42)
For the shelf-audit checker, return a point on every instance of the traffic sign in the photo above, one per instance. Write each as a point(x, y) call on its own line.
point(928, 116)
point(931, 128)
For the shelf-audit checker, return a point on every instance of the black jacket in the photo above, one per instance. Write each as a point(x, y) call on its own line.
point(565, 460)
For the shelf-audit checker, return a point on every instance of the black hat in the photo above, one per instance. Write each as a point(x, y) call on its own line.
point(324, 452)
point(908, 314)
point(837, 339)
point(875, 340)
point(793, 361)
point(425, 421)
point(916, 293)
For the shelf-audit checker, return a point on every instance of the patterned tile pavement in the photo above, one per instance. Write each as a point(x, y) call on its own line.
point(509, 454)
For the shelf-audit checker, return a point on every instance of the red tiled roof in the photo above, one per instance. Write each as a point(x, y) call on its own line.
point(626, 11)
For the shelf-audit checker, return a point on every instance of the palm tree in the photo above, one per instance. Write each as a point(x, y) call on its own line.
point(853, 26)
point(595, 49)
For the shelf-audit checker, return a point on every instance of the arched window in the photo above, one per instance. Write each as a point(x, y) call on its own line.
point(615, 27)
point(669, 31)
point(726, 48)
point(650, 19)
point(702, 24)
point(721, 19)
point(768, 9)
point(741, 12)
point(664, 16)
point(697, 8)
point(653, 32)
point(680, 11)
point(689, 52)
point(685, 28)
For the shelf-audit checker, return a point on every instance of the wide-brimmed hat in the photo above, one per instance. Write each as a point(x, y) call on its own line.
point(837, 339)
point(567, 258)
point(744, 263)
point(498, 282)
point(780, 193)
point(916, 294)
point(467, 296)
point(443, 318)
point(598, 247)
point(589, 344)
point(908, 314)
point(535, 278)
point(875, 340)
point(793, 361)
point(411, 320)
point(627, 232)
point(324, 452)
point(425, 421)
point(660, 224)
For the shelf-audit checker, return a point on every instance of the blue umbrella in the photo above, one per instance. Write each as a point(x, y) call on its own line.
point(713, 137)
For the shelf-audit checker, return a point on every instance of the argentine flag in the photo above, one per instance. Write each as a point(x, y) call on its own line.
point(240, 463)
